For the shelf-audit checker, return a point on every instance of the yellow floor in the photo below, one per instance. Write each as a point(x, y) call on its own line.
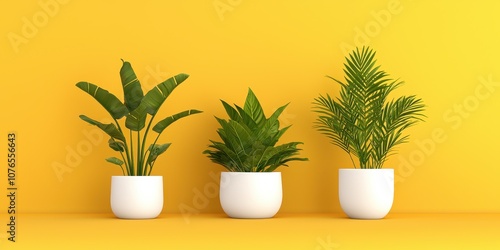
point(285, 231)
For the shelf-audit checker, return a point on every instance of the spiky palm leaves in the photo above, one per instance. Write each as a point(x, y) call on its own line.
point(249, 139)
point(361, 121)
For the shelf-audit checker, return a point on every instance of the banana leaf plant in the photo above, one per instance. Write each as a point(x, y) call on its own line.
point(362, 121)
point(249, 139)
point(138, 111)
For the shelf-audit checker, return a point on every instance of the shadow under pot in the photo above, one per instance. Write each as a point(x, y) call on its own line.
point(251, 195)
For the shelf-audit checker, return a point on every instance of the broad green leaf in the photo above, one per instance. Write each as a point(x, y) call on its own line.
point(132, 90)
point(116, 145)
point(246, 119)
point(163, 124)
point(253, 108)
point(115, 161)
point(156, 96)
point(156, 150)
point(136, 120)
point(109, 101)
point(109, 129)
point(239, 138)
point(231, 112)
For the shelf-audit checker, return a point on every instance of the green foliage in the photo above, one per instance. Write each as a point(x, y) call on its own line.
point(249, 139)
point(361, 121)
point(138, 110)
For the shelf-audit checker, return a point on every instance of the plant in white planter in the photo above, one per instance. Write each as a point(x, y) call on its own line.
point(136, 194)
point(249, 152)
point(368, 127)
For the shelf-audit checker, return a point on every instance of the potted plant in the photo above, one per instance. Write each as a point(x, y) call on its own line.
point(250, 188)
point(368, 127)
point(136, 194)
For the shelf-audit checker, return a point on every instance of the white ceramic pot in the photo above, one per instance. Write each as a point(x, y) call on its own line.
point(251, 195)
point(136, 197)
point(366, 193)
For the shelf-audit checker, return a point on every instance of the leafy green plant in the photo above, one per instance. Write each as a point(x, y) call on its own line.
point(137, 109)
point(249, 139)
point(361, 121)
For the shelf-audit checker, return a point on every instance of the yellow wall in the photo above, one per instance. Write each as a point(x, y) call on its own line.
point(447, 52)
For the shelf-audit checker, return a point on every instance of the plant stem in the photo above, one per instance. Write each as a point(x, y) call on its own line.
point(152, 163)
point(350, 156)
point(143, 152)
point(126, 160)
point(139, 158)
point(132, 165)
point(123, 172)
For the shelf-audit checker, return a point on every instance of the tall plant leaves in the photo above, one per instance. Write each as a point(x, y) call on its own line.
point(109, 101)
point(136, 107)
point(361, 121)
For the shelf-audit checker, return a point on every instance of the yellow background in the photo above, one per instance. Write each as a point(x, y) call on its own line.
point(447, 53)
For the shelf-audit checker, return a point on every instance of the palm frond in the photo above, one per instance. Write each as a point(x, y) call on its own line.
point(361, 121)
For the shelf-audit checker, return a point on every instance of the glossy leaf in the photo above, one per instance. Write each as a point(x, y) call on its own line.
point(116, 145)
point(107, 100)
point(253, 108)
point(136, 120)
point(156, 150)
point(132, 90)
point(115, 161)
point(109, 129)
point(163, 124)
point(156, 96)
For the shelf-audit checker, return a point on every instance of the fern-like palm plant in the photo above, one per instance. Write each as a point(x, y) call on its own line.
point(137, 109)
point(249, 139)
point(362, 121)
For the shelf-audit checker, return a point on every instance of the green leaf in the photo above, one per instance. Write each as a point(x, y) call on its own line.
point(246, 119)
point(115, 161)
point(253, 108)
point(109, 129)
point(156, 150)
point(163, 124)
point(231, 112)
point(224, 156)
point(132, 90)
point(156, 96)
point(116, 145)
point(107, 100)
point(136, 120)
